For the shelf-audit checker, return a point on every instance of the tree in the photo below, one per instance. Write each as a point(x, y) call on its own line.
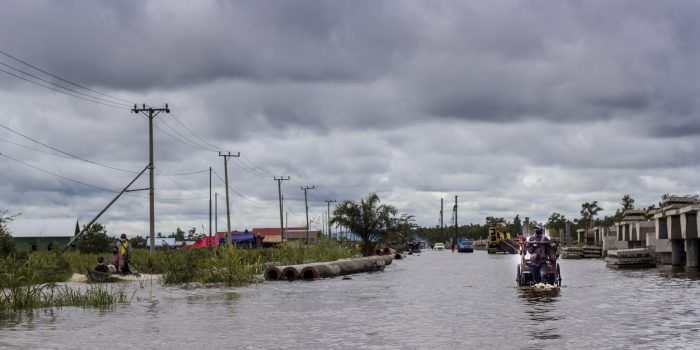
point(179, 235)
point(7, 243)
point(401, 230)
point(517, 226)
point(138, 242)
point(557, 222)
point(368, 219)
point(626, 203)
point(494, 221)
point(95, 240)
point(588, 213)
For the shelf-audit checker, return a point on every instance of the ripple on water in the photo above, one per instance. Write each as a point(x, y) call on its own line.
point(437, 300)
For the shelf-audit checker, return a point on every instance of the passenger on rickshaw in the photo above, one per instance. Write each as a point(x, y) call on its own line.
point(538, 254)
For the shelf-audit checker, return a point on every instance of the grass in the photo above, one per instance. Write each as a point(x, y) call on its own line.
point(228, 266)
point(25, 299)
point(238, 267)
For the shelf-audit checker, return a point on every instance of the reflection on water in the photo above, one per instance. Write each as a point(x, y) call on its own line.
point(541, 311)
point(438, 300)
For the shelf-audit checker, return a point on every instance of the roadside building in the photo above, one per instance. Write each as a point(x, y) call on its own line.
point(42, 234)
point(161, 243)
point(291, 233)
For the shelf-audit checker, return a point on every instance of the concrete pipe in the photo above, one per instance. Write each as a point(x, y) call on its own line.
point(292, 273)
point(316, 271)
point(274, 273)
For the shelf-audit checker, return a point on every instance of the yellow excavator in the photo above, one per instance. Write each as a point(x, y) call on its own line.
point(500, 241)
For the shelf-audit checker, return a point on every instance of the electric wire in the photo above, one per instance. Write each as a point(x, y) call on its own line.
point(64, 152)
point(63, 92)
point(64, 80)
point(57, 175)
point(63, 87)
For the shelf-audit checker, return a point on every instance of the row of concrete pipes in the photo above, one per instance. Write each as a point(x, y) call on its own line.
point(314, 271)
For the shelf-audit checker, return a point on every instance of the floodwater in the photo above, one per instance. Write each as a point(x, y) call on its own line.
point(436, 300)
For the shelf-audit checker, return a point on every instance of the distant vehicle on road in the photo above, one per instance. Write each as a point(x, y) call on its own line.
point(439, 246)
point(465, 246)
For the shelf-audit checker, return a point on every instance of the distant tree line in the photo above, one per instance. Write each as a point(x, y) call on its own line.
point(556, 223)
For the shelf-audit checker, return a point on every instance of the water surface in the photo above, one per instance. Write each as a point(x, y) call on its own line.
point(437, 300)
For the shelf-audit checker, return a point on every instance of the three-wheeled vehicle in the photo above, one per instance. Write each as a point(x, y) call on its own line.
point(524, 272)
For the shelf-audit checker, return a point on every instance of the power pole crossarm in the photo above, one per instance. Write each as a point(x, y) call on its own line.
point(151, 113)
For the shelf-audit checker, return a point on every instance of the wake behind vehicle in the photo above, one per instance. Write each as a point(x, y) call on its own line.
point(465, 246)
point(526, 270)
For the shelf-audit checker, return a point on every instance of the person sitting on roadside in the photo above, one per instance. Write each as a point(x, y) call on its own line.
point(116, 261)
point(538, 254)
point(101, 267)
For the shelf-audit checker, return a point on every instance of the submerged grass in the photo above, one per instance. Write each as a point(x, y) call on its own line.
point(25, 299)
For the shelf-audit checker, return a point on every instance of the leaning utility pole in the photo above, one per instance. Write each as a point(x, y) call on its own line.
point(328, 217)
point(279, 192)
point(228, 209)
point(306, 203)
point(151, 113)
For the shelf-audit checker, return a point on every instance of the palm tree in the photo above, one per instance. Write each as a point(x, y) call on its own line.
point(368, 219)
point(589, 211)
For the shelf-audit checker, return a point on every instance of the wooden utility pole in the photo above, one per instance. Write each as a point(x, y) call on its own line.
point(456, 224)
point(228, 208)
point(216, 215)
point(209, 207)
point(328, 217)
point(279, 193)
point(441, 218)
point(151, 113)
point(306, 203)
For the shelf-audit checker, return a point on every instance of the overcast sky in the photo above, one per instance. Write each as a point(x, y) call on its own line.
point(517, 107)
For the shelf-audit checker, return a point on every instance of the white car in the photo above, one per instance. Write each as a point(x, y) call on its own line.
point(439, 246)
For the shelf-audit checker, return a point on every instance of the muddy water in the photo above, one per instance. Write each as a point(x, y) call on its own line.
point(438, 300)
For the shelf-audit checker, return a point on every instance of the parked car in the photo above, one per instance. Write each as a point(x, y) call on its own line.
point(439, 246)
point(465, 246)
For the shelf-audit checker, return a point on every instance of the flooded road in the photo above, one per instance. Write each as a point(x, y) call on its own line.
point(437, 300)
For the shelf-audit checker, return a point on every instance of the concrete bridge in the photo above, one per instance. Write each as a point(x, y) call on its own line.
point(678, 221)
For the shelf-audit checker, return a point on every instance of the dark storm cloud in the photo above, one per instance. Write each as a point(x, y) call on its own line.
point(521, 106)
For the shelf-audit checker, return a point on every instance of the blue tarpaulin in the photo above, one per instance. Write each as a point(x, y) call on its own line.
point(243, 237)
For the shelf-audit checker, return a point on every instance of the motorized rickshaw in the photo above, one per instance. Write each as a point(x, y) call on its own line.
point(525, 275)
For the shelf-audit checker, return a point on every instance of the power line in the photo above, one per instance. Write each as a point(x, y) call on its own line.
point(57, 175)
point(65, 80)
point(63, 87)
point(204, 141)
point(63, 92)
point(64, 152)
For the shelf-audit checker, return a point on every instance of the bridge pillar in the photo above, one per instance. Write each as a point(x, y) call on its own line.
point(677, 250)
point(692, 253)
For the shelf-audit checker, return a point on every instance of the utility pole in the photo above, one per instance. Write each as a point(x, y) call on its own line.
point(279, 192)
point(441, 222)
point(216, 216)
point(456, 224)
point(228, 208)
point(209, 207)
point(306, 203)
point(328, 217)
point(151, 113)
